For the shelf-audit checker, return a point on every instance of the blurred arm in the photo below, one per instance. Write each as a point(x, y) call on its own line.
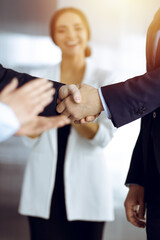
point(87, 130)
point(9, 123)
point(28, 100)
point(39, 124)
point(19, 106)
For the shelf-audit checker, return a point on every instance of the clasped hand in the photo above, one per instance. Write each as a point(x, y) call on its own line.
point(81, 103)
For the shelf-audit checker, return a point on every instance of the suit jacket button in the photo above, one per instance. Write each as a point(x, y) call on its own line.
point(141, 111)
point(154, 114)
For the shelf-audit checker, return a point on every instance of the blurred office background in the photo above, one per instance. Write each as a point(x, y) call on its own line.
point(118, 43)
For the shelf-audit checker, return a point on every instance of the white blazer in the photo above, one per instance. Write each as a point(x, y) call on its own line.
point(87, 185)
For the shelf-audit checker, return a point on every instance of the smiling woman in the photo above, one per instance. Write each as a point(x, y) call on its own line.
point(73, 199)
point(65, 25)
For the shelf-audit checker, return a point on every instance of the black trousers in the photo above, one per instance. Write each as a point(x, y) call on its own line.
point(153, 221)
point(57, 227)
point(41, 229)
point(153, 197)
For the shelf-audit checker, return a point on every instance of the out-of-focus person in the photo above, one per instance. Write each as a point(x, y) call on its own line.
point(20, 106)
point(67, 191)
point(144, 173)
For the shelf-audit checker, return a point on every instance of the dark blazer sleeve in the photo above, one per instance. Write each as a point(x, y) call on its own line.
point(6, 75)
point(134, 98)
point(136, 173)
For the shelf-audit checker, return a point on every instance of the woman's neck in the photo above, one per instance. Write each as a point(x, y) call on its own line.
point(72, 69)
point(72, 64)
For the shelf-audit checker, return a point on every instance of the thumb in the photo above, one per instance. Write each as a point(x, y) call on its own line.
point(141, 211)
point(71, 89)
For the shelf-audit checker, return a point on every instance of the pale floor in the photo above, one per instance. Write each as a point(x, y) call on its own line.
point(12, 225)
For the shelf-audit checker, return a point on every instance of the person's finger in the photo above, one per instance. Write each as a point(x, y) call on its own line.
point(38, 108)
point(10, 87)
point(60, 107)
point(34, 84)
point(91, 118)
point(73, 119)
point(46, 96)
point(38, 125)
point(46, 102)
point(141, 211)
point(129, 212)
point(66, 114)
point(132, 216)
point(60, 121)
point(43, 98)
point(77, 122)
point(30, 113)
point(38, 90)
point(137, 222)
point(51, 122)
point(63, 92)
point(88, 119)
point(74, 91)
point(83, 121)
point(34, 108)
point(71, 89)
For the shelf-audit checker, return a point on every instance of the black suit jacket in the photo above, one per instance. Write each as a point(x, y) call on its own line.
point(129, 101)
point(148, 140)
point(140, 95)
point(6, 75)
point(145, 161)
point(134, 98)
point(144, 168)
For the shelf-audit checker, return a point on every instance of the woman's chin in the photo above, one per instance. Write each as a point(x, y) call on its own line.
point(73, 53)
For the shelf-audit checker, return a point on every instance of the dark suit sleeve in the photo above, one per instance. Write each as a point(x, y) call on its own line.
point(6, 75)
point(136, 170)
point(134, 98)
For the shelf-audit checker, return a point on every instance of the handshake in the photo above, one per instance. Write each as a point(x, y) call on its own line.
point(80, 104)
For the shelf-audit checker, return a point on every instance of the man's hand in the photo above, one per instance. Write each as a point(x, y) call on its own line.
point(70, 90)
point(28, 100)
point(88, 119)
point(39, 124)
point(90, 104)
point(135, 206)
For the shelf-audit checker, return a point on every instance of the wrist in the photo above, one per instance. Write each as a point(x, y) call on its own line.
point(135, 186)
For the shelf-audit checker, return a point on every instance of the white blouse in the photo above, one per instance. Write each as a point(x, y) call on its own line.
point(87, 182)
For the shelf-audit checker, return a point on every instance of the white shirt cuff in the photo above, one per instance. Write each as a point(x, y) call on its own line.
point(106, 109)
point(9, 123)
